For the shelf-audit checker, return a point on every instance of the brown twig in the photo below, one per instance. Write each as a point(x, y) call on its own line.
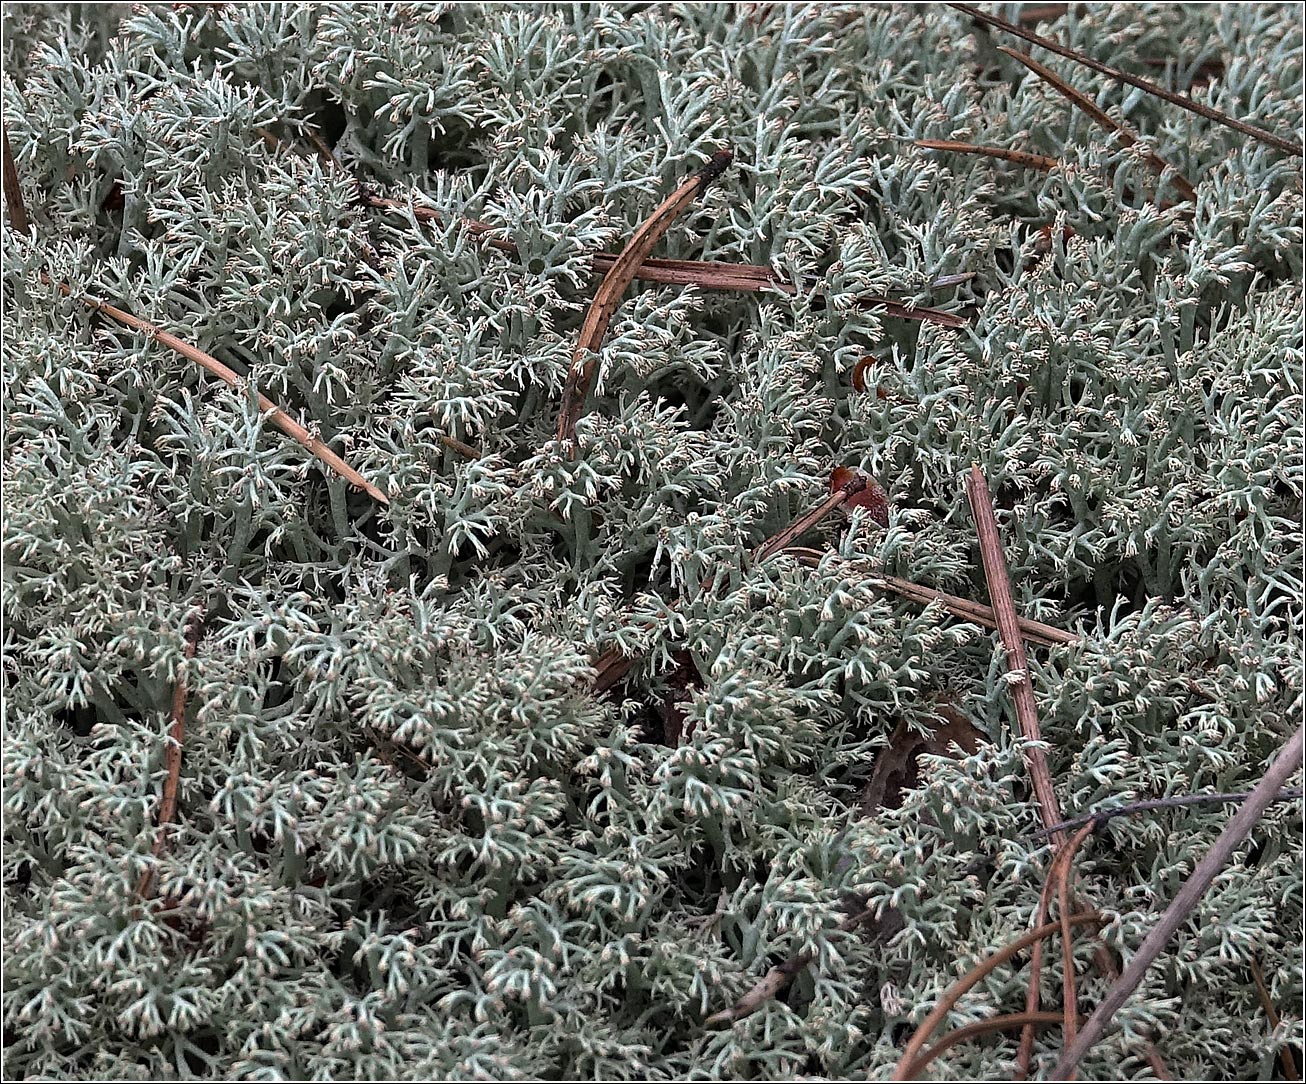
point(1033, 991)
point(1004, 611)
point(275, 414)
point(455, 445)
point(1020, 158)
point(1286, 1059)
point(1180, 100)
point(1240, 824)
point(1099, 818)
point(706, 274)
point(1159, 1068)
point(975, 975)
point(584, 361)
point(13, 189)
point(1090, 108)
point(1027, 1020)
point(1035, 632)
point(172, 753)
point(775, 980)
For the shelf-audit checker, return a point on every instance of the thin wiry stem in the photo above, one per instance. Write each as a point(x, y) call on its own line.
point(1180, 100)
point(1266, 791)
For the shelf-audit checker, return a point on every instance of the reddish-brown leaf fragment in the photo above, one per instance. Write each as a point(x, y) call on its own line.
point(872, 497)
point(859, 373)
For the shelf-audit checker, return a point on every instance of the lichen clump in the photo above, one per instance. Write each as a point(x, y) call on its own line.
point(412, 841)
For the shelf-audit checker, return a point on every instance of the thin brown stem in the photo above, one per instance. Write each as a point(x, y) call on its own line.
point(1033, 992)
point(1036, 632)
point(1027, 1020)
point(1038, 13)
point(1090, 108)
point(1004, 611)
point(1099, 818)
point(1286, 1059)
point(612, 665)
point(1021, 158)
point(974, 976)
point(775, 980)
point(172, 753)
point(1069, 993)
point(18, 219)
point(1180, 100)
point(275, 414)
point(1240, 824)
point(584, 361)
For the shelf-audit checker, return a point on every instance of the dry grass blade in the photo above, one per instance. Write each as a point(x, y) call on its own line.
point(1027, 1020)
point(708, 274)
point(1035, 632)
point(1180, 100)
point(1004, 611)
point(1033, 992)
point(426, 214)
point(1089, 107)
point(1058, 878)
point(275, 414)
point(775, 980)
point(619, 276)
point(1240, 824)
point(172, 753)
point(809, 519)
point(1286, 1059)
point(909, 312)
point(975, 975)
point(1020, 158)
point(13, 189)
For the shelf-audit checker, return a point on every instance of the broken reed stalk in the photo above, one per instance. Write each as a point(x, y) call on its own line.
point(13, 189)
point(1100, 818)
point(1026, 1020)
point(1180, 100)
point(1090, 108)
point(172, 752)
point(1004, 612)
point(584, 361)
point(775, 980)
point(706, 274)
point(1286, 1059)
point(1020, 158)
point(978, 973)
point(275, 414)
point(1240, 824)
